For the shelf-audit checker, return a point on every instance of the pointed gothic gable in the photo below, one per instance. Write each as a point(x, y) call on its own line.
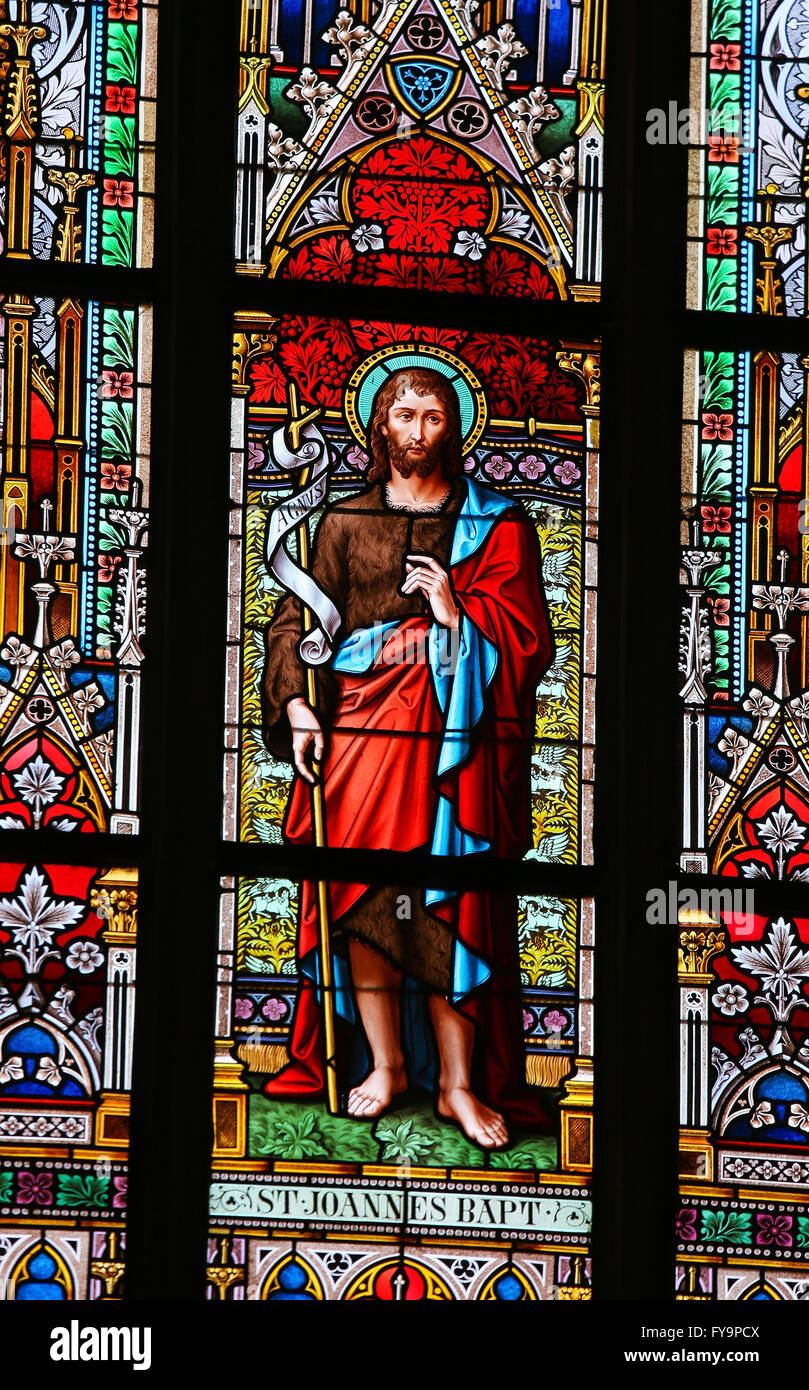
point(416, 160)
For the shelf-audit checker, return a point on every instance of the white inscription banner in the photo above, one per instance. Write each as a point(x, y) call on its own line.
point(466, 1209)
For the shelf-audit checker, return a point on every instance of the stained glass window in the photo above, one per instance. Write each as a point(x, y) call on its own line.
point(743, 964)
point(743, 668)
point(423, 145)
point(403, 1075)
point(77, 130)
point(78, 124)
point(75, 436)
point(67, 995)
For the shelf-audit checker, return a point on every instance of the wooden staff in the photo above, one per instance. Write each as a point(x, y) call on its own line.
point(298, 420)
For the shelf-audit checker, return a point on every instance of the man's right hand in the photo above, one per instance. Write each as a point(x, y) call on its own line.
point(305, 731)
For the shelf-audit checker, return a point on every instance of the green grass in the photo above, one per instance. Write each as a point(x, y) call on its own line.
point(297, 1131)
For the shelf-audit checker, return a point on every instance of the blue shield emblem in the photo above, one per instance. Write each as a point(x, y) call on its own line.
point(423, 84)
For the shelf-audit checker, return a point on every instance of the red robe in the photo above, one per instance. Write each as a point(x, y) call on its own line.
point(381, 792)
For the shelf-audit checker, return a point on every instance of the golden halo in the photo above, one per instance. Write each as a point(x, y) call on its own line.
point(396, 357)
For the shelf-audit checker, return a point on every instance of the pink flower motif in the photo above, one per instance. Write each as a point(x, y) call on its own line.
point(117, 384)
point(243, 1008)
point(119, 193)
point(716, 519)
point(275, 1008)
point(106, 567)
point(255, 455)
point(567, 472)
point(115, 477)
point(470, 463)
point(773, 1230)
point(720, 608)
point(358, 458)
point(554, 1022)
point(717, 426)
point(119, 1190)
point(532, 467)
point(527, 1020)
point(725, 57)
point(34, 1187)
point(120, 99)
point(723, 149)
point(686, 1223)
point(498, 467)
point(722, 241)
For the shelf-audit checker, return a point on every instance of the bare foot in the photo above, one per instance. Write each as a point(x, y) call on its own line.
point(375, 1093)
point(480, 1124)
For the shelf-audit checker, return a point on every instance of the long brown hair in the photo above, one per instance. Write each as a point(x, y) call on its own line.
point(425, 382)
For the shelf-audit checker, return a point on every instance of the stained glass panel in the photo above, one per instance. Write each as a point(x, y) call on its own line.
point(748, 122)
point(529, 423)
point(453, 715)
point(403, 1205)
point(743, 963)
point(423, 144)
point(78, 120)
point(67, 996)
point(75, 438)
point(745, 638)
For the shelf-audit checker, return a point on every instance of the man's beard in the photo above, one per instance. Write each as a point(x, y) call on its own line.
point(422, 465)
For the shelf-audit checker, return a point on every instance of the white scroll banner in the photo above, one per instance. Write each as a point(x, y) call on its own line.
point(315, 647)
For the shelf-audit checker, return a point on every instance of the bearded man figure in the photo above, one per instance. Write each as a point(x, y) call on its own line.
point(423, 735)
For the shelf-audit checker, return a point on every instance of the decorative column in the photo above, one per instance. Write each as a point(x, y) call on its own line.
point(584, 361)
point(252, 338)
point(21, 121)
point(695, 659)
point(68, 242)
point(803, 562)
point(230, 1090)
point(47, 549)
point(700, 941)
point(803, 94)
point(590, 151)
point(781, 599)
point(114, 897)
point(68, 237)
point(221, 1273)
point(109, 1268)
point(130, 613)
point(69, 449)
point(18, 312)
point(765, 237)
point(252, 150)
point(569, 77)
point(576, 1106)
point(541, 38)
point(691, 1291)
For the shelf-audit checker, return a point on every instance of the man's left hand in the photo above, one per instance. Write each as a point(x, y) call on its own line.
point(425, 575)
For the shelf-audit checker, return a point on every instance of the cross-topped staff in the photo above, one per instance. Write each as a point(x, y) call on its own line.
point(299, 418)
